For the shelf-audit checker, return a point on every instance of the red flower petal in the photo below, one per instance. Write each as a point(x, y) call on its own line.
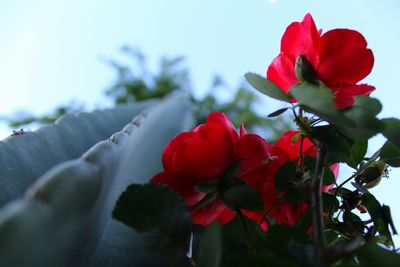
point(204, 153)
point(283, 213)
point(172, 146)
point(344, 57)
point(288, 213)
point(281, 72)
point(243, 131)
point(301, 39)
point(222, 119)
point(292, 149)
point(344, 96)
point(226, 215)
point(335, 169)
point(253, 151)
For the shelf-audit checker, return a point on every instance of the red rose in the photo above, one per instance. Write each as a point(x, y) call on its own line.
point(286, 148)
point(211, 150)
point(205, 154)
point(339, 58)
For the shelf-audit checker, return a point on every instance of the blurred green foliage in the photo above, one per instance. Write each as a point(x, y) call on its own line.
point(26, 118)
point(135, 82)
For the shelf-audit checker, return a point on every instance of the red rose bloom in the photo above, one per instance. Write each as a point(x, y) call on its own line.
point(205, 154)
point(339, 58)
point(211, 150)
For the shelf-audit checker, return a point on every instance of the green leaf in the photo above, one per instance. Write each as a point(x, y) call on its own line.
point(357, 154)
point(284, 175)
point(209, 251)
point(262, 258)
point(331, 236)
point(305, 221)
point(372, 255)
point(149, 208)
point(358, 122)
point(295, 196)
point(238, 252)
point(234, 238)
point(337, 145)
point(329, 177)
point(370, 105)
point(372, 205)
point(363, 115)
point(243, 197)
point(378, 216)
point(266, 87)
point(315, 97)
point(390, 153)
point(388, 218)
point(330, 202)
point(290, 242)
point(348, 263)
point(295, 137)
point(309, 166)
point(392, 130)
point(277, 112)
point(318, 99)
point(353, 219)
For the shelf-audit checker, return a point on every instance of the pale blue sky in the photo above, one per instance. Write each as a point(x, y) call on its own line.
point(49, 49)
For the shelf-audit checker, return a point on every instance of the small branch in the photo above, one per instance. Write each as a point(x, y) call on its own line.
point(347, 180)
point(299, 120)
point(301, 156)
point(266, 213)
point(246, 227)
point(317, 205)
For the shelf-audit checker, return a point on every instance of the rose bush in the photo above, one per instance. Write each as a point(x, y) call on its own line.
point(222, 174)
point(339, 58)
point(287, 148)
point(211, 151)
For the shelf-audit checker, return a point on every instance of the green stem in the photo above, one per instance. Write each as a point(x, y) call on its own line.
point(246, 227)
point(317, 205)
point(300, 162)
point(266, 213)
